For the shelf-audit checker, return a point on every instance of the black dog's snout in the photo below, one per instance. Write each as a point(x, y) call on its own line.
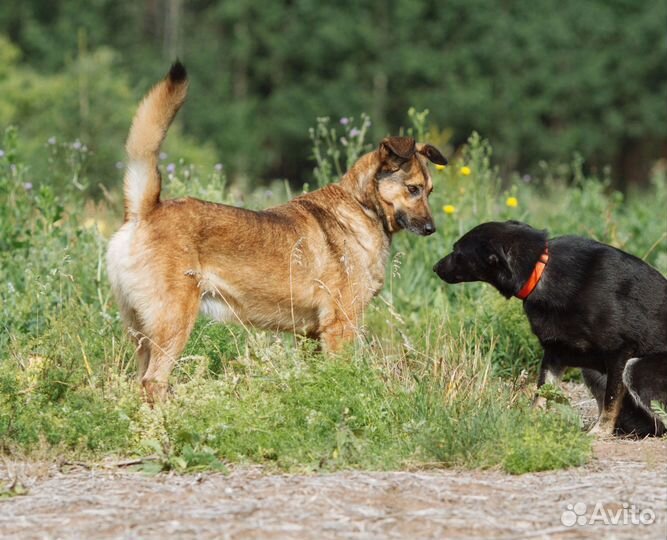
point(437, 267)
point(444, 269)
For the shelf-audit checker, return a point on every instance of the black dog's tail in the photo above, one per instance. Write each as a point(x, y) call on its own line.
point(646, 381)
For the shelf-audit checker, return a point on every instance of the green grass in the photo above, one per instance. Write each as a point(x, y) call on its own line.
point(443, 377)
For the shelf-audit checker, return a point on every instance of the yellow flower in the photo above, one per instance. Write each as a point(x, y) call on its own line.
point(449, 209)
point(465, 170)
point(91, 223)
point(439, 167)
point(512, 202)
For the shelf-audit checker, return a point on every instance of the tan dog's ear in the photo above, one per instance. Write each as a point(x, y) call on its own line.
point(397, 149)
point(432, 153)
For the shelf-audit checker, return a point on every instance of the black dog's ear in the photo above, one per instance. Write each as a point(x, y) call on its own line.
point(432, 153)
point(397, 149)
point(499, 261)
point(503, 273)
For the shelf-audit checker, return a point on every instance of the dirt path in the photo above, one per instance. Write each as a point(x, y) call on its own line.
point(437, 504)
point(626, 481)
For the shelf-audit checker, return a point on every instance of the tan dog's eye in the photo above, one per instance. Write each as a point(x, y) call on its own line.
point(414, 190)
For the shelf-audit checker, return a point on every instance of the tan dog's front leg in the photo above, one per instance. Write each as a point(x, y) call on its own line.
point(336, 334)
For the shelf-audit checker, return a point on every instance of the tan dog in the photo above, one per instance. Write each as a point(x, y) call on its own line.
point(309, 266)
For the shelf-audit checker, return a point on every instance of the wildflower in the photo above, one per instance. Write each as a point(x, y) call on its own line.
point(27, 186)
point(119, 165)
point(76, 145)
point(527, 178)
point(344, 121)
point(449, 209)
point(163, 156)
point(440, 167)
point(218, 167)
point(171, 168)
point(354, 132)
point(2, 153)
point(51, 140)
point(465, 170)
point(512, 202)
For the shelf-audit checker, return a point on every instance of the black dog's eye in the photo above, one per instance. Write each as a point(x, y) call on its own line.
point(414, 190)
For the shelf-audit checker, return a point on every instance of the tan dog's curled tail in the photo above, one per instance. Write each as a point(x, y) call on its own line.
point(149, 128)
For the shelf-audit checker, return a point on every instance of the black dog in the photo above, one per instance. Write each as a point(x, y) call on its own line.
point(590, 305)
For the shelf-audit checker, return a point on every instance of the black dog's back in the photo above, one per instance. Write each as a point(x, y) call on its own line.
point(607, 300)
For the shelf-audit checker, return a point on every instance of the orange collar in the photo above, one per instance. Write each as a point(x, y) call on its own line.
point(534, 278)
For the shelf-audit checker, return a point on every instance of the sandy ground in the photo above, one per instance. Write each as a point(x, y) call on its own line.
point(626, 482)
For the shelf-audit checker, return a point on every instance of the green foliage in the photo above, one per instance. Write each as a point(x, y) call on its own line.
point(659, 409)
point(539, 79)
point(552, 393)
point(436, 381)
point(331, 160)
point(547, 441)
point(82, 111)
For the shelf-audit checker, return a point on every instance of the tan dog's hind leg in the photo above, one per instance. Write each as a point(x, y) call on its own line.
point(168, 338)
point(136, 334)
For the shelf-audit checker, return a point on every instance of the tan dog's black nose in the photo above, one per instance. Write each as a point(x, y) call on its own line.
point(429, 228)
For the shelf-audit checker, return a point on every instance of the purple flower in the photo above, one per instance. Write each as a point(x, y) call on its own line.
point(163, 155)
point(76, 145)
point(52, 140)
point(2, 153)
point(527, 178)
point(354, 132)
point(27, 186)
point(344, 121)
point(171, 168)
point(218, 167)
